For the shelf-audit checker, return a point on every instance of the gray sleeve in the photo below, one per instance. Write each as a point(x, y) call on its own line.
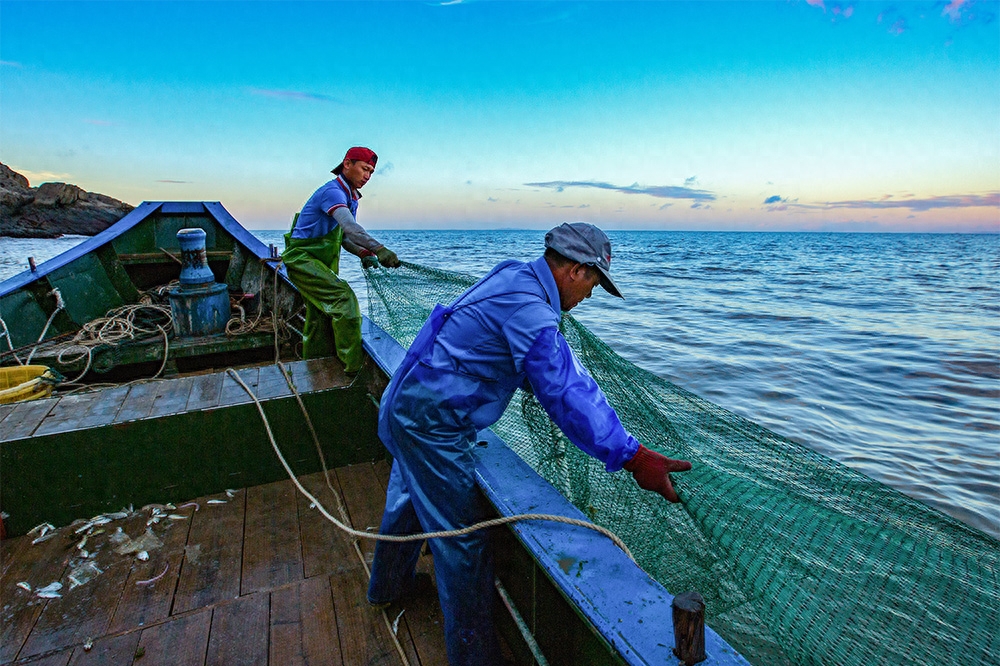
point(351, 247)
point(354, 232)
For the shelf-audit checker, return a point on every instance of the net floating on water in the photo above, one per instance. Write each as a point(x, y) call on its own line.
point(800, 559)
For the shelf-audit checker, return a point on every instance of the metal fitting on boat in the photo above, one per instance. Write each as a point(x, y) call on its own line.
point(200, 305)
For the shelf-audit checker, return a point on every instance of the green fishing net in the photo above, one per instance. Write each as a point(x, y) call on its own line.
point(800, 559)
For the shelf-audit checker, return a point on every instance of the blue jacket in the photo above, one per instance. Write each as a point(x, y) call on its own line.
point(468, 360)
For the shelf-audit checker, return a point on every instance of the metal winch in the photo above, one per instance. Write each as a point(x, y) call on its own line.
point(200, 305)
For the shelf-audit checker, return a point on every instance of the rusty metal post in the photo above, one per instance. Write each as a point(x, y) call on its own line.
point(689, 627)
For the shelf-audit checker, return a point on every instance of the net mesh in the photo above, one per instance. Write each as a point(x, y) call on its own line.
point(800, 559)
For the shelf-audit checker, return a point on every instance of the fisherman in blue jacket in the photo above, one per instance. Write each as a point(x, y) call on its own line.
point(456, 379)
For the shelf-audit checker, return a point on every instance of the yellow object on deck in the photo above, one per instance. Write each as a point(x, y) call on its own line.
point(27, 382)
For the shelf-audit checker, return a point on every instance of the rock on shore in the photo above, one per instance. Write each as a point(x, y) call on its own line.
point(53, 209)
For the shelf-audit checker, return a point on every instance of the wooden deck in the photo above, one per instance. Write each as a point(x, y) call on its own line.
point(254, 577)
point(163, 397)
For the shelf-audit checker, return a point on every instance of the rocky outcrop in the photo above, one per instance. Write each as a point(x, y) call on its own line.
point(53, 209)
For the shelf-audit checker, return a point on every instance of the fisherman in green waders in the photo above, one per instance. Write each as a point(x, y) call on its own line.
point(312, 259)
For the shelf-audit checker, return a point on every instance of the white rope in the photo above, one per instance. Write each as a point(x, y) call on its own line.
point(60, 305)
point(494, 522)
point(87, 351)
point(117, 325)
point(10, 343)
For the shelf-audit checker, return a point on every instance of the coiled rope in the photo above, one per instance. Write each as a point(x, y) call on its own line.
point(133, 322)
point(493, 522)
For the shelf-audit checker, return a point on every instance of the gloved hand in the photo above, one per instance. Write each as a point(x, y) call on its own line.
point(369, 260)
point(652, 472)
point(387, 257)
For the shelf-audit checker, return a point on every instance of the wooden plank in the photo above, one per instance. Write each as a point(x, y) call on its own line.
point(365, 499)
point(25, 418)
point(91, 580)
point(206, 392)
point(38, 566)
point(382, 468)
point(6, 409)
point(108, 651)
point(233, 393)
point(424, 622)
point(239, 633)
point(303, 625)
point(142, 604)
point(58, 659)
point(158, 257)
point(81, 613)
point(271, 383)
point(171, 396)
point(317, 374)
point(11, 550)
point(364, 638)
point(103, 411)
point(63, 416)
point(213, 557)
point(325, 548)
point(138, 402)
point(180, 642)
point(85, 410)
point(272, 554)
point(422, 619)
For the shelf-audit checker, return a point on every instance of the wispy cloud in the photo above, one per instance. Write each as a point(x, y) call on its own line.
point(294, 95)
point(43, 176)
point(777, 203)
point(846, 12)
point(896, 21)
point(659, 191)
point(10, 63)
point(898, 28)
point(693, 180)
point(838, 10)
point(174, 182)
point(991, 199)
point(953, 10)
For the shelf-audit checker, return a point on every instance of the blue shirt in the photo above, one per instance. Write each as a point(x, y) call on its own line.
point(316, 218)
point(501, 334)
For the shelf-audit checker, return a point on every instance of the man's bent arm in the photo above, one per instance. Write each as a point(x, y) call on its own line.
point(354, 233)
point(575, 402)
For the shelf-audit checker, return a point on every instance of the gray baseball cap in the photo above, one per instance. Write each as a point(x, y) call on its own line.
point(586, 244)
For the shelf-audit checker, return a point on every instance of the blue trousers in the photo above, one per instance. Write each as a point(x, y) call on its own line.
point(432, 487)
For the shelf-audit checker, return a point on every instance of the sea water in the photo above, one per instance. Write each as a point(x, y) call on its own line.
point(881, 351)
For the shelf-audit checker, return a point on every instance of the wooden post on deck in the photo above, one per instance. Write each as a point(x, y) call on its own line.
point(689, 628)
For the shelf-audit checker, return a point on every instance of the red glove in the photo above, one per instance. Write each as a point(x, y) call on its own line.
point(652, 471)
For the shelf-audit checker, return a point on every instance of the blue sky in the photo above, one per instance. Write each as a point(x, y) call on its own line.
point(789, 115)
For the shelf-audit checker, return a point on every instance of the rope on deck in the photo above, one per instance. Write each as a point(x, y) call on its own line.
point(493, 522)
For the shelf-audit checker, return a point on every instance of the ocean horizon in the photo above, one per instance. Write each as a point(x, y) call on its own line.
point(878, 350)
